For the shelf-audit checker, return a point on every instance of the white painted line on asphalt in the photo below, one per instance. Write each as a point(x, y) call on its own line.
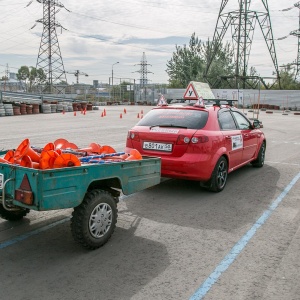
point(281, 163)
point(241, 244)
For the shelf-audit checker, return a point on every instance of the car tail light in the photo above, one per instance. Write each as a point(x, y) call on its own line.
point(133, 136)
point(199, 139)
point(182, 139)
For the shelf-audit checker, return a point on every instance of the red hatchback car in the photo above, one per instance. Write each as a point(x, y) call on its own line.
point(197, 142)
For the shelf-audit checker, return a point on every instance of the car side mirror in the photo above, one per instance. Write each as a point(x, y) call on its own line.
point(257, 124)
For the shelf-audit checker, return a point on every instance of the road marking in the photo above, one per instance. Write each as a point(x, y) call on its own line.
point(240, 245)
point(31, 233)
point(281, 163)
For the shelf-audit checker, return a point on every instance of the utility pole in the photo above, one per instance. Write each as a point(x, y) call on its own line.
point(242, 22)
point(49, 57)
point(6, 77)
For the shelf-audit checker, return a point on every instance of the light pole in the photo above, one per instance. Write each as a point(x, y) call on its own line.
point(112, 79)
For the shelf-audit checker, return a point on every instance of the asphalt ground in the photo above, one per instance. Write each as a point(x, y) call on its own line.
point(172, 241)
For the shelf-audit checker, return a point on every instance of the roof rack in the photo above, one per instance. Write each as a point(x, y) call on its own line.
point(228, 102)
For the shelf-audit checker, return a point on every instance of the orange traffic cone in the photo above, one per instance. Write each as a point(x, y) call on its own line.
point(25, 149)
point(63, 112)
point(49, 146)
point(142, 112)
point(74, 113)
point(28, 163)
point(66, 160)
point(70, 146)
point(2, 160)
point(47, 159)
point(9, 156)
point(102, 115)
point(134, 155)
point(104, 112)
point(124, 110)
point(107, 149)
point(93, 147)
point(59, 143)
point(138, 115)
point(121, 116)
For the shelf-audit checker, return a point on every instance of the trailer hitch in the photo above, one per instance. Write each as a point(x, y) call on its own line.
point(6, 206)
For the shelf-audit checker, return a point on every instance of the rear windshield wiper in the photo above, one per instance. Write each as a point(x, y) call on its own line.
point(168, 125)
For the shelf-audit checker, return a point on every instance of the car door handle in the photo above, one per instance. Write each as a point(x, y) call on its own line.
point(246, 135)
point(228, 137)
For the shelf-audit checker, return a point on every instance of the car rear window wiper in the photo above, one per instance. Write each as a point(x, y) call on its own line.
point(168, 125)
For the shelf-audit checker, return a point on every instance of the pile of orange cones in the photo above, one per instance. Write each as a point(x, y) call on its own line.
point(62, 154)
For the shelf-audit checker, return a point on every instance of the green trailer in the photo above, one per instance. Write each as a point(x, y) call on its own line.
point(92, 190)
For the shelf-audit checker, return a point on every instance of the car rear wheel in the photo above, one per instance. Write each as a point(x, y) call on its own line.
point(260, 161)
point(219, 176)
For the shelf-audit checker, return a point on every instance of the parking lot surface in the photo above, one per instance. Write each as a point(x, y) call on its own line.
point(172, 241)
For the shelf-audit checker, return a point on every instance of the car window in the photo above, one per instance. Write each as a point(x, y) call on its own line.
point(226, 120)
point(243, 122)
point(185, 118)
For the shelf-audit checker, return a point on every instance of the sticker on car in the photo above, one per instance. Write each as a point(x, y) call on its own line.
point(165, 130)
point(237, 142)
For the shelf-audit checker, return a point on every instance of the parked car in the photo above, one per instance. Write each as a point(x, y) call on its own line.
point(198, 142)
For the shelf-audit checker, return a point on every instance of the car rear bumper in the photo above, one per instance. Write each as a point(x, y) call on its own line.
point(190, 166)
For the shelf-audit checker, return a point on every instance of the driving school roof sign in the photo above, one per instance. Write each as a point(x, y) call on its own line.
point(197, 89)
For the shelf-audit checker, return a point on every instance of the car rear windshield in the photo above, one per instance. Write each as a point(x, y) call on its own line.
point(182, 118)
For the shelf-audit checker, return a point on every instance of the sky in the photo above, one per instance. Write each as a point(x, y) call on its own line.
point(105, 38)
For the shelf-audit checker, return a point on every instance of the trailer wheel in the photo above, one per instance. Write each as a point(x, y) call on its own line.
point(94, 220)
point(14, 215)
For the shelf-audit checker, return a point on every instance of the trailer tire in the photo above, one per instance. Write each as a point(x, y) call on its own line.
point(94, 220)
point(14, 215)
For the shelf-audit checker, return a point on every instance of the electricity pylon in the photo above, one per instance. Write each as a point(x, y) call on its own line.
point(297, 34)
point(143, 78)
point(242, 22)
point(49, 57)
point(143, 70)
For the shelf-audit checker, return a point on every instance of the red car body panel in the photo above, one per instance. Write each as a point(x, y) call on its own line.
point(196, 161)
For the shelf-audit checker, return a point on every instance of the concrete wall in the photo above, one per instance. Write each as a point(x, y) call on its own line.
point(282, 98)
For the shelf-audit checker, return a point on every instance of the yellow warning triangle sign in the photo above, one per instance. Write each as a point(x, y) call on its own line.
point(190, 93)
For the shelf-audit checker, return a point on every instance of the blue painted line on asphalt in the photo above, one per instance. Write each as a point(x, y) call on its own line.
point(240, 245)
point(42, 229)
point(31, 233)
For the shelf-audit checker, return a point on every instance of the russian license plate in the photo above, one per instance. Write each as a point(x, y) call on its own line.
point(157, 146)
point(1, 181)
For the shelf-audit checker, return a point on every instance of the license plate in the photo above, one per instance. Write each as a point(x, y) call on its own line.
point(157, 146)
point(1, 181)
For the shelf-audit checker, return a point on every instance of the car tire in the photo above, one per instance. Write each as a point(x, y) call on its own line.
point(219, 176)
point(260, 161)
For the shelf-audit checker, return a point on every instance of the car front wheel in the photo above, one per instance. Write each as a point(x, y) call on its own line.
point(219, 176)
point(260, 161)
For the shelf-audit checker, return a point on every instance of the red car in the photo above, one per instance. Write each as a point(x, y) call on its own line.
point(197, 142)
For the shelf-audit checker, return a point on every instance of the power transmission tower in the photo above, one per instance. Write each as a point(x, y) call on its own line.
point(49, 57)
point(297, 34)
point(143, 71)
point(242, 22)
